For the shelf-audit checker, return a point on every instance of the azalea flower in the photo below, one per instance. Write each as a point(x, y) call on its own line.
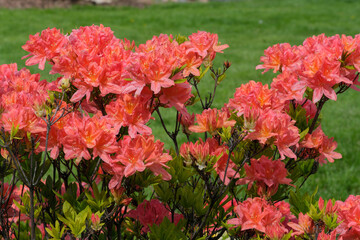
point(130, 111)
point(210, 120)
point(280, 57)
point(209, 152)
point(258, 214)
point(305, 225)
point(268, 175)
point(284, 83)
point(255, 97)
point(152, 212)
point(324, 145)
point(139, 153)
point(205, 44)
point(44, 47)
point(23, 98)
point(277, 126)
point(348, 217)
point(84, 133)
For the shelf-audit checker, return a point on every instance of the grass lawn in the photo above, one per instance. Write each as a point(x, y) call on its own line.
point(249, 27)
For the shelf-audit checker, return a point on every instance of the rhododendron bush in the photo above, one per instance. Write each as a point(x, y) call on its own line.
point(79, 161)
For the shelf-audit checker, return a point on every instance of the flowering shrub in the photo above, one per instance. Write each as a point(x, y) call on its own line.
point(79, 161)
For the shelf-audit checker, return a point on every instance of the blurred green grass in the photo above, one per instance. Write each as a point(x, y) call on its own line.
point(249, 27)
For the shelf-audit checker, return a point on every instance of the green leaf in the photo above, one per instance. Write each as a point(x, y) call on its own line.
point(42, 169)
point(181, 39)
point(162, 191)
point(180, 81)
point(55, 232)
point(76, 222)
point(287, 236)
point(28, 134)
point(202, 73)
point(96, 191)
point(298, 203)
point(67, 222)
point(58, 195)
point(225, 134)
point(221, 78)
point(19, 206)
point(301, 202)
point(83, 215)
point(14, 131)
point(350, 67)
point(69, 211)
point(303, 133)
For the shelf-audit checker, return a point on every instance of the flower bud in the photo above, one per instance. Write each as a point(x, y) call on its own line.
point(40, 110)
point(4, 153)
point(64, 83)
point(227, 64)
point(119, 196)
point(207, 61)
point(95, 221)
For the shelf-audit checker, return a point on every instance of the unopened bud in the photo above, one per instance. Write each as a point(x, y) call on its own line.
point(64, 83)
point(40, 110)
point(95, 221)
point(4, 153)
point(227, 64)
point(249, 124)
point(207, 61)
point(120, 197)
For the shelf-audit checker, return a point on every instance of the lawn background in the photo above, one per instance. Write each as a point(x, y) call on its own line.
point(249, 27)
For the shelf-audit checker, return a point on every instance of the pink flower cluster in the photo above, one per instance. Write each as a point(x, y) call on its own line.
point(265, 118)
point(258, 214)
point(152, 212)
point(212, 119)
point(23, 100)
point(209, 153)
point(275, 220)
point(136, 155)
point(83, 133)
point(267, 174)
point(130, 111)
point(321, 63)
point(349, 217)
point(93, 58)
point(115, 82)
point(323, 146)
point(109, 89)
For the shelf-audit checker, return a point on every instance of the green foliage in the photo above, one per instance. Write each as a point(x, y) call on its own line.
point(167, 230)
point(24, 205)
point(301, 202)
point(76, 222)
point(178, 171)
point(70, 195)
point(13, 132)
point(193, 199)
point(100, 201)
point(331, 221)
point(55, 231)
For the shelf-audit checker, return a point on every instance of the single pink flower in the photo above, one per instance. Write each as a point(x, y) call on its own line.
point(210, 120)
point(267, 174)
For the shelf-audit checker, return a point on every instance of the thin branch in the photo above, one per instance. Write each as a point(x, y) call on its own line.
point(198, 92)
point(320, 106)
